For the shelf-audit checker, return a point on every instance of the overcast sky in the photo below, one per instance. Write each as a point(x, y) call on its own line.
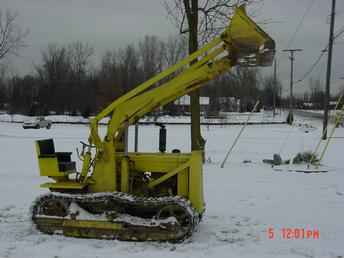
point(108, 24)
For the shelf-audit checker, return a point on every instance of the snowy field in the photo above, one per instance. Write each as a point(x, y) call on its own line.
point(243, 200)
point(227, 117)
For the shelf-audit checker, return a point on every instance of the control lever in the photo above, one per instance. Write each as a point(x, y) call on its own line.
point(84, 146)
point(162, 137)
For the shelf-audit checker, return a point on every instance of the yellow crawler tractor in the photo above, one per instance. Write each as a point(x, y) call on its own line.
point(141, 196)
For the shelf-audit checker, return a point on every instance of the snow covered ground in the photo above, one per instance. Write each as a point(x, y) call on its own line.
point(243, 200)
point(228, 117)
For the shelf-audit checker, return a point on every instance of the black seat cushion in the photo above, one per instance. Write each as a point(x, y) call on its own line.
point(63, 156)
point(67, 166)
point(46, 147)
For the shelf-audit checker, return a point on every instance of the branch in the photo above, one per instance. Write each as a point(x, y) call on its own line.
point(11, 36)
point(213, 14)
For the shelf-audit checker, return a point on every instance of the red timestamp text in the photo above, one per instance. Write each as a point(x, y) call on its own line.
point(292, 233)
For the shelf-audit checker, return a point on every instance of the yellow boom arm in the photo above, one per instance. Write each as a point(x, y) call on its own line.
point(242, 42)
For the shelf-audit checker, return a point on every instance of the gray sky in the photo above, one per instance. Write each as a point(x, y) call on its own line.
point(108, 24)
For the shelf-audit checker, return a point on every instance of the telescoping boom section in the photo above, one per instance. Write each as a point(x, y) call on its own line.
point(162, 191)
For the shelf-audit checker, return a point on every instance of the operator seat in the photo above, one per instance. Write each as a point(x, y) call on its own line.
point(46, 150)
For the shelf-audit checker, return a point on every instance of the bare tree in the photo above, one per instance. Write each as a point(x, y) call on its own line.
point(11, 35)
point(270, 88)
point(151, 50)
point(109, 63)
point(56, 64)
point(129, 67)
point(108, 79)
point(120, 71)
point(175, 49)
point(206, 17)
point(3, 86)
point(80, 54)
point(317, 93)
point(4, 69)
point(54, 73)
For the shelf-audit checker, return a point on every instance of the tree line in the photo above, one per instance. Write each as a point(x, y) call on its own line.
point(66, 82)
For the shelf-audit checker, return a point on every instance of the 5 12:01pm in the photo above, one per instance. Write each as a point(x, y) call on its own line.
point(292, 233)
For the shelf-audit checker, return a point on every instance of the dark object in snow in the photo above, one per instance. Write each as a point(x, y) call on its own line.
point(306, 128)
point(277, 160)
point(300, 158)
point(247, 161)
point(305, 157)
point(290, 118)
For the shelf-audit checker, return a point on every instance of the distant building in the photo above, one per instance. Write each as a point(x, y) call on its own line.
point(228, 104)
point(183, 103)
point(307, 105)
point(310, 105)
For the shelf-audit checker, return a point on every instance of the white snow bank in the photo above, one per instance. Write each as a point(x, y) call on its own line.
point(243, 200)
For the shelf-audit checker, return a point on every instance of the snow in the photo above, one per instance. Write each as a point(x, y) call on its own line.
point(55, 118)
point(229, 117)
point(316, 113)
point(243, 200)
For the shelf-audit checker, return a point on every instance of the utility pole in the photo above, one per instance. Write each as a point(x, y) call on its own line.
point(291, 98)
point(274, 89)
point(328, 73)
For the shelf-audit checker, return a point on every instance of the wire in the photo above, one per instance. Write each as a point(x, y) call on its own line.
point(299, 26)
point(337, 35)
point(312, 67)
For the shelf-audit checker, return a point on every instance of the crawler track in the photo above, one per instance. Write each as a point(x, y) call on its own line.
point(115, 216)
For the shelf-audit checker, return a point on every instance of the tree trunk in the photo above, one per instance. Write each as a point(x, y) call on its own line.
point(197, 141)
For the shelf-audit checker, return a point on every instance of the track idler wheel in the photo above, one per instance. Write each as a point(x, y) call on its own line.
point(179, 213)
point(53, 207)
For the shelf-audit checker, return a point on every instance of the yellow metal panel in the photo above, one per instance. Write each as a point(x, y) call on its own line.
point(65, 185)
point(196, 182)
point(105, 171)
point(168, 175)
point(125, 175)
point(49, 167)
point(183, 183)
point(92, 224)
point(37, 149)
point(157, 162)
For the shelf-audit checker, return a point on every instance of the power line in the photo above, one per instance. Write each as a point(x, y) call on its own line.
point(299, 26)
point(317, 61)
point(301, 22)
point(339, 33)
point(312, 67)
